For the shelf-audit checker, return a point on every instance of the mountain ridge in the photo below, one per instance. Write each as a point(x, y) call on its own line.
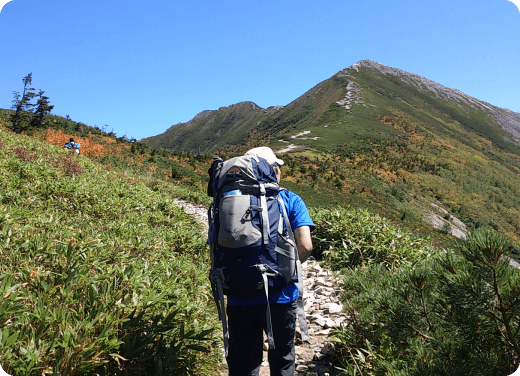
point(365, 139)
point(379, 137)
point(232, 124)
point(451, 94)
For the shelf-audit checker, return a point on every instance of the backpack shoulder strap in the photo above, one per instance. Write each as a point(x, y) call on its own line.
point(299, 302)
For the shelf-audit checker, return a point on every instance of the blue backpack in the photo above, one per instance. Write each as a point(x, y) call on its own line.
point(72, 146)
point(252, 245)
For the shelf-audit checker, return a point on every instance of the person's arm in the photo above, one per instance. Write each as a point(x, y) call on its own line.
point(302, 235)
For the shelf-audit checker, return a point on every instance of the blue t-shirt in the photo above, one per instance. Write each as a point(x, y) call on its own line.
point(298, 216)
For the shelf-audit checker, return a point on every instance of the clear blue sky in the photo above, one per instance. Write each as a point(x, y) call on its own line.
point(140, 67)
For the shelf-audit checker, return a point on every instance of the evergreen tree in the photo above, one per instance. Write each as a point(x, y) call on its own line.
point(22, 105)
point(456, 313)
point(42, 108)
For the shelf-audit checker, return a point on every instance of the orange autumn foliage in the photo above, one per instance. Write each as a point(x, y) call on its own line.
point(61, 138)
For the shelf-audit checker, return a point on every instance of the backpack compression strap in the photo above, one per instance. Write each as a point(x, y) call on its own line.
point(265, 214)
point(217, 277)
point(262, 268)
point(299, 302)
point(263, 203)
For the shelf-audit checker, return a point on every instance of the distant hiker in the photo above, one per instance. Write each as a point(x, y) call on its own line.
point(256, 260)
point(71, 145)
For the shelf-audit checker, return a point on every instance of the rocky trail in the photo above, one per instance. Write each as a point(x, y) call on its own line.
point(323, 310)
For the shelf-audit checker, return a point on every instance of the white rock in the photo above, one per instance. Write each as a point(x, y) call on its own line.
point(322, 282)
point(302, 368)
point(327, 291)
point(329, 323)
point(332, 308)
point(339, 322)
point(321, 321)
point(314, 317)
point(324, 332)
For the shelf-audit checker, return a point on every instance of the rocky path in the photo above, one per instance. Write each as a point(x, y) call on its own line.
point(322, 308)
point(324, 312)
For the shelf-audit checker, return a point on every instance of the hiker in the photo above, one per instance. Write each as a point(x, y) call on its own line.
point(246, 315)
point(71, 145)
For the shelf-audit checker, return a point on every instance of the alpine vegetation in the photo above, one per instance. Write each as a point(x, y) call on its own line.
point(102, 273)
point(98, 273)
point(454, 313)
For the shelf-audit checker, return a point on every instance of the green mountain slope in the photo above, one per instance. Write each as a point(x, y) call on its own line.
point(99, 274)
point(375, 136)
point(231, 124)
point(347, 106)
point(102, 273)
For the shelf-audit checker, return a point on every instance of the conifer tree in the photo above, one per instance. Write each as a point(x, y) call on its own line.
point(22, 105)
point(42, 108)
point(455, 313)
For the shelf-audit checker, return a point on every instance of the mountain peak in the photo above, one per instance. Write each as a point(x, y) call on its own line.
point(367, 63)
point(509, 120)
point(385, 69)
point(247, 105)
point(360, 84)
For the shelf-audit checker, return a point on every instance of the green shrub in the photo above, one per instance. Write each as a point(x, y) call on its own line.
point(457, 313)
point(347, 238)
point(99, 274)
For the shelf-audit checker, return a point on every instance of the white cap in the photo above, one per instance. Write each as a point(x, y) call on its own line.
point(266, 153)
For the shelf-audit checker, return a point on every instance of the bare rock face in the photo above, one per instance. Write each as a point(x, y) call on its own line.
point(351, 96)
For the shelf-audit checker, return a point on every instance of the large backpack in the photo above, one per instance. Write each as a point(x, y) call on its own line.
point(252, 245)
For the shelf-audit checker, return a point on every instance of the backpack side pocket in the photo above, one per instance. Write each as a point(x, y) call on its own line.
point(286, 253)
point(236, 225)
